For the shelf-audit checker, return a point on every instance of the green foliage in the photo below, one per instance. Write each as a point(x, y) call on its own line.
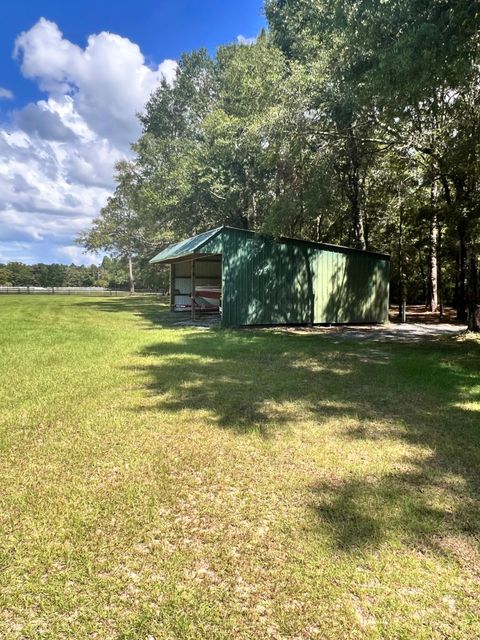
point(112, 273)
point(118, 229)
point(313, 131)
point(394, 82)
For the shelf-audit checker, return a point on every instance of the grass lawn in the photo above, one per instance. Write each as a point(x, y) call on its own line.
point(160, 482)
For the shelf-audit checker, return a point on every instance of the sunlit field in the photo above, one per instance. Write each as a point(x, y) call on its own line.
point(160, 482)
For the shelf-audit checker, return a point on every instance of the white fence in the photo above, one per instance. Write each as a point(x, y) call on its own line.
point(82, 291)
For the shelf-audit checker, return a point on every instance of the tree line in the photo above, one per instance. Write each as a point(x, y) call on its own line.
point(111, 273)
point(347, 121)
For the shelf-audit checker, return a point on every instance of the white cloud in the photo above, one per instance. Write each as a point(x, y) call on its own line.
point(13, 251)
point(6, 94)
point(39, 121)
point(245, 41)
point(77, 256)
point(57, 158)
point(108, 80)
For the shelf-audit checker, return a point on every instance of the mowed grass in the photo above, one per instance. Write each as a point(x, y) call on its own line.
point(161, 482)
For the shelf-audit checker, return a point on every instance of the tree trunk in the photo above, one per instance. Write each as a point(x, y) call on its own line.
point(473, 308)
point(462, 275)
point(131, 281)
point(402, 307)
point(432, 285)
point(423, 276)
point(432, 288)
point(318, 227)
point(354, 194)
point(440, 266)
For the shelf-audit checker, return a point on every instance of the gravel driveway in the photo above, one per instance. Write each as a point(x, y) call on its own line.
point(398, 332)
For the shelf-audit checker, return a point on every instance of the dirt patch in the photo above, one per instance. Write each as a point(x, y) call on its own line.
point(416, 313)
point(392, 332)
point(408, 332)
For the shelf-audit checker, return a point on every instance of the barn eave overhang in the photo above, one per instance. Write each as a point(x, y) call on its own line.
point(188, 249)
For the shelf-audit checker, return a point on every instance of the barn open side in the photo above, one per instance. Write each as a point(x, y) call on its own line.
point(196, 285)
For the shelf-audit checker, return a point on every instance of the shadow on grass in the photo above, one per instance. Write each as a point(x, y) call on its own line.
point(153, 310)
point(263, 382)
point(430, 391)
point(421, 394)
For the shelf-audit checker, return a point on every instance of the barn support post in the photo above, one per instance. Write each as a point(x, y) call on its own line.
point(192, 276)
point(172, 287)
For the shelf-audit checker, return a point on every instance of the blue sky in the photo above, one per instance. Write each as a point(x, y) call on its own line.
point(72, 76)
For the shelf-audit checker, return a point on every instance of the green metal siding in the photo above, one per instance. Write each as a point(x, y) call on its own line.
point(292, 282)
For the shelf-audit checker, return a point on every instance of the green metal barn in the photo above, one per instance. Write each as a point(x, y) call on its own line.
point(254, 279)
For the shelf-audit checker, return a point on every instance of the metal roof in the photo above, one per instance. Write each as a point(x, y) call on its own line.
point(190, 246)
point(185, 247)
point(313, 243)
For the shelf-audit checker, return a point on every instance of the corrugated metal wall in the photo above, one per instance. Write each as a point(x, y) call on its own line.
point(289, 282)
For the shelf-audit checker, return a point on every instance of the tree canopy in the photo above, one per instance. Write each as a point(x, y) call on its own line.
point(111, 273)
point(347, 121)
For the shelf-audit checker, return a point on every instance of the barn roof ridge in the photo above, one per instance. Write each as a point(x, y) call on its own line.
point(191, 245)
